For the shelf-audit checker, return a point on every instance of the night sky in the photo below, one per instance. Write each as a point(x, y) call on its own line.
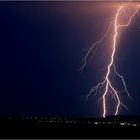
point(42, 45)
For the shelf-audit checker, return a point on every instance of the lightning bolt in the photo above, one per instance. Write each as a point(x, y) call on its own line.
point(106, 87)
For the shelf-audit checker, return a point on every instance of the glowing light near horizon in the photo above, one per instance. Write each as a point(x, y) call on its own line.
point(106, 87)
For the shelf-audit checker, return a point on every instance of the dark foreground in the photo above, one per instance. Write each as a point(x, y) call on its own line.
point(112, 127)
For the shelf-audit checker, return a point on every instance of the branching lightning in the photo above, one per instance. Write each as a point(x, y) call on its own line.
point(106, 86)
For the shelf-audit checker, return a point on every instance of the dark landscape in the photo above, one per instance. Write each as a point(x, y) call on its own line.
point(58, 127)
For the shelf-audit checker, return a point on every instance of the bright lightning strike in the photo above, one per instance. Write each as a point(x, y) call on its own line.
point(106, 86)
